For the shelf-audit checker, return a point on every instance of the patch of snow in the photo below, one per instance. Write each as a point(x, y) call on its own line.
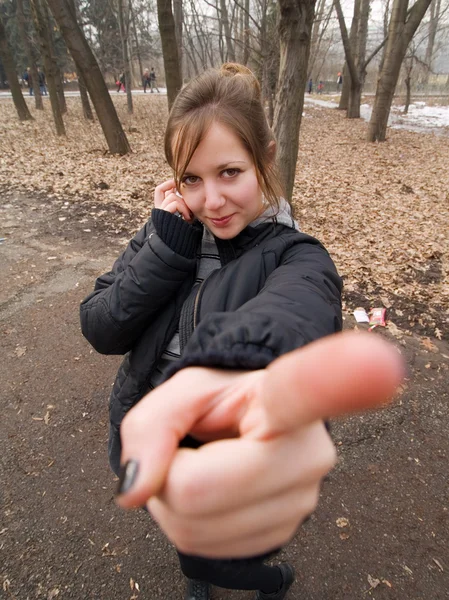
point(420, 117)
point(424, 116)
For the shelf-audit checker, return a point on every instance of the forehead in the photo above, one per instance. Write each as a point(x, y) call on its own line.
point(219, 145)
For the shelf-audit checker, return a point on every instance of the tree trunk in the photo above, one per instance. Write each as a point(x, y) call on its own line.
point(11, 74)
point(321, 29)
point(315, 42)
point(355, 93)
point(220, 34)
point(90, 71)
point(87, 110)
point(202, 52)
point(123, 20)
point(355, 96)
point(435, 8)
point(227, 31)
point(136, 39)
point(191, 53)
point(41, 24)
point(246, 34)
point(385, 30)
point(179, 18)
point(402, 28)
point(344, 96)
point(295, 30)
point(408, 96)
point(57, 75)
point(262, 72)
point(169, 50)
point(29, 54)
point(349, 45)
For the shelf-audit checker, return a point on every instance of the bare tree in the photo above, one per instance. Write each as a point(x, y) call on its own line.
point(435, 10)
point(169, 49)
point(87, 110)
point(355, 54)
point(385, 21)
point(29, 54)
point(41, 24)
point(403, 24)
point(90, 71)
point(344, 97)
point(227, 31)
point(136, 39)
point(57, 74)
point(124, 22)
point(269, 53)
point(320, 26)
point(179, 19)
point(411, 60)
point(246, 34)
point(295, 30)
point(11, 74)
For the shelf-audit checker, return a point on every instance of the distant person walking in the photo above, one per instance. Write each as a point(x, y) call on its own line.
point(339, 81)
point(153, 85)
point(121, 82)
point(29, 80)
point(42, 82)
point(310, 86)
point(320, 87)
point(146, 80)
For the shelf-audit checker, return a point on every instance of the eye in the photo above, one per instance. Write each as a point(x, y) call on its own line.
point(190, 180)
point(230, 173)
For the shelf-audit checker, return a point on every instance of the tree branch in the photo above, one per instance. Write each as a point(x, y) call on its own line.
point(374, 52)
point(346, 44)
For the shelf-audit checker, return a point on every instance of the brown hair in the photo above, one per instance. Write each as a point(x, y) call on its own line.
point(229, 96)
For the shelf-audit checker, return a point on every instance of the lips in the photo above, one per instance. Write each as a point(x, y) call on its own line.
point(222, 221)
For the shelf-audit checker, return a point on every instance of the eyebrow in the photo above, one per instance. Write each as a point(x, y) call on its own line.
point(220, 167)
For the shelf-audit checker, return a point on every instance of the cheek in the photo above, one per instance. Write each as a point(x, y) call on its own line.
point(192, 200)
point(250, 193)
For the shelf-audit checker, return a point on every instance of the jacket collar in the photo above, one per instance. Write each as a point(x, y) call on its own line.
point(269, 224)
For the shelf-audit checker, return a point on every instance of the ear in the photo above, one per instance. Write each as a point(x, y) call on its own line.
point(272, 151)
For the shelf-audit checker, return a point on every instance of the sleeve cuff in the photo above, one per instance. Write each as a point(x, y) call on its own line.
point(176, 233)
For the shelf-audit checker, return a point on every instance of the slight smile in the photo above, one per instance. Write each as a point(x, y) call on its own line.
point(222, 221)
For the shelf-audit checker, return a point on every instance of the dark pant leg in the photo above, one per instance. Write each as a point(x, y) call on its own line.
point(233, 574)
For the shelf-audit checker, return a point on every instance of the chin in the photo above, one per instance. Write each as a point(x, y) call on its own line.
point(226, 235)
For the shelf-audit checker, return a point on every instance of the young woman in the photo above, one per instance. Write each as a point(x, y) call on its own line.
point(216, 286)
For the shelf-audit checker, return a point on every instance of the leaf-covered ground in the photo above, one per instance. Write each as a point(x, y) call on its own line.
point(382, 210)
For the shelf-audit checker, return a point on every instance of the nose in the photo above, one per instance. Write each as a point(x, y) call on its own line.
point(213, 197)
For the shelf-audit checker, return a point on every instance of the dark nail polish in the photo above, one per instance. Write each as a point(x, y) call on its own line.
point(127, 476)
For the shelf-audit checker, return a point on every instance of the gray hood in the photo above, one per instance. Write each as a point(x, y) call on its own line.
point(283, 216)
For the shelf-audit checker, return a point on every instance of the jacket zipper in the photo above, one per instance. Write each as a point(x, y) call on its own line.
point(197, 297)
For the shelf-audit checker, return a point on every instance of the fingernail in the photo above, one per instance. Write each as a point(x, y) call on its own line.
point(127, 476)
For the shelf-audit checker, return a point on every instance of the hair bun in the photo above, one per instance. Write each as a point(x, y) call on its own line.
point(236, 69)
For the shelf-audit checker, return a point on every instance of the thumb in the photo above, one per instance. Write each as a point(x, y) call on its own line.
point(339, 374)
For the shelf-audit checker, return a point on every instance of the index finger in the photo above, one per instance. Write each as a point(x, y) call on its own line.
point(341, 373)
point(161, 189)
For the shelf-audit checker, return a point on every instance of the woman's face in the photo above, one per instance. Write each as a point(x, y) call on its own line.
point(220, 185)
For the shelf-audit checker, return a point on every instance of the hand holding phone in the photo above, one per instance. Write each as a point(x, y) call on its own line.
point(167, 197)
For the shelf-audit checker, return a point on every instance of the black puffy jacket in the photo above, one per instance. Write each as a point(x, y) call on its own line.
point(277, 290)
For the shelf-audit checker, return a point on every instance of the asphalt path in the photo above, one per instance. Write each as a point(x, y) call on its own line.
point(75, 93)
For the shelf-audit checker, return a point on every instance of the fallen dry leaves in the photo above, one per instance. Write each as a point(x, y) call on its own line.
point(380, 209)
